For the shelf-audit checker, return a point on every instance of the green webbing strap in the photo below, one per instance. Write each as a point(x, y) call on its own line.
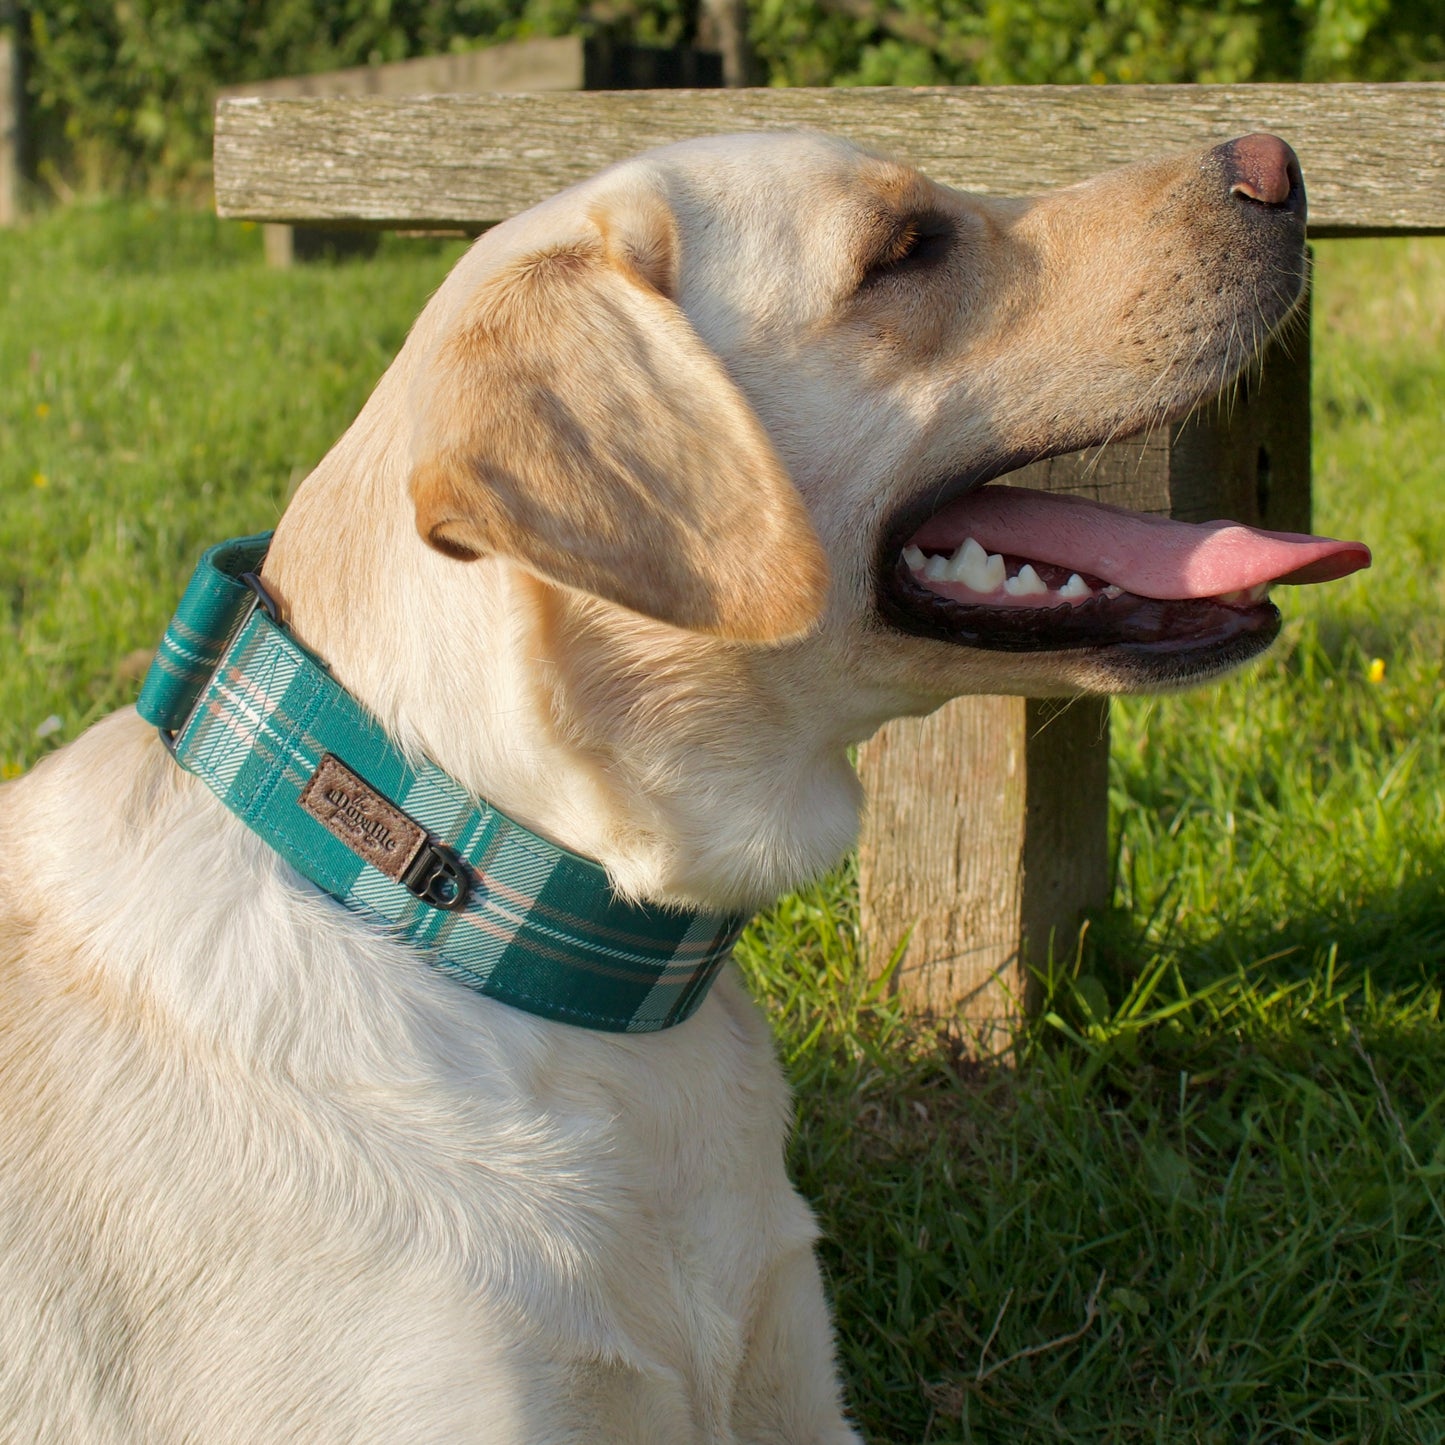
point(262, 722)
point(210, 610)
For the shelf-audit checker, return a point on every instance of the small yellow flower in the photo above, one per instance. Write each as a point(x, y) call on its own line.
point(40, 479)
point(10, 770)
point(1376, 670)
point(42, 410)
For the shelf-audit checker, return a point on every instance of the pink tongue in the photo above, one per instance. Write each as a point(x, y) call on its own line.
point(1148, 556)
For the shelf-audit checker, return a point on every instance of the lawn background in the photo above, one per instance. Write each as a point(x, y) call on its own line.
point(1208, 1205)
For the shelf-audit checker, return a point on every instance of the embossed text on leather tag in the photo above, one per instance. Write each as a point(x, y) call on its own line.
point(372, 826)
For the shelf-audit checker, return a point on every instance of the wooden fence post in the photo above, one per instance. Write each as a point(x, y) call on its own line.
point(986, 834)
point(11, 129)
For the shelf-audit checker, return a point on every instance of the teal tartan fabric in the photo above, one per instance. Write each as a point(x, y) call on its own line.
point(252, 713)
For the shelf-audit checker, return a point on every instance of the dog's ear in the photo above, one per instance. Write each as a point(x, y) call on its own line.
point(576, 423)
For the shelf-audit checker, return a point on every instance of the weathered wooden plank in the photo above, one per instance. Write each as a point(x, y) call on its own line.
point(986, 838)
point(568, 62)
point(1248, 458)
point(987, 831)
point(10, 131)
point(1373, 155)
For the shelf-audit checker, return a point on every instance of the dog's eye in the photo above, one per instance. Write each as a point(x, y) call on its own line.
point(919, 242)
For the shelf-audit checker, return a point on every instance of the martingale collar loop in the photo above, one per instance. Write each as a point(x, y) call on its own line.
point(261, 721)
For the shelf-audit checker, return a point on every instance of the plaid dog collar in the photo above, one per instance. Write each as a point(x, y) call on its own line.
point(261, 721)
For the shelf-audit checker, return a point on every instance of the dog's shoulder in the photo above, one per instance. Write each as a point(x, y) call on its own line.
point(222, 1097)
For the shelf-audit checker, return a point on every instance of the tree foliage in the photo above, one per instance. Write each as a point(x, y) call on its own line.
point(1035, 42)
point(121, 90)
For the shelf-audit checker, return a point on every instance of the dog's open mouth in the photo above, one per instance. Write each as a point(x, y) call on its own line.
point(1012, 570)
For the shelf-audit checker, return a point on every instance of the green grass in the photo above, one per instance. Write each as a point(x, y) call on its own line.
point(159, 389)
point(1210, 1204)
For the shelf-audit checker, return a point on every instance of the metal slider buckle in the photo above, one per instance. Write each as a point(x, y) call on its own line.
point(437, 876)
point(268, 604)
point(265, 599)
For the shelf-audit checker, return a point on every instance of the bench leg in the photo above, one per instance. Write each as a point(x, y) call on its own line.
point(11, 124)
point(986, 838)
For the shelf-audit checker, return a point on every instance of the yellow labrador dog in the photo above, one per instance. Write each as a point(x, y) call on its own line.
point(676, 491)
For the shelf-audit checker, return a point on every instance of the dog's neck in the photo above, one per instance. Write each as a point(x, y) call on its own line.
point(691, 769)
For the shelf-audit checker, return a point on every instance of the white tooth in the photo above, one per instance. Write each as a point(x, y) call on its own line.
point(956, 562)
point(914, 558)
point(1075, 587)
point(1111, 591)
point(971, 568)
point(936, 569)
point(994, 573)
point(1027, 584)
point(1245, 596)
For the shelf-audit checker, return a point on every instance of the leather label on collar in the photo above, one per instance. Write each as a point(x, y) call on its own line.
point(372, 826)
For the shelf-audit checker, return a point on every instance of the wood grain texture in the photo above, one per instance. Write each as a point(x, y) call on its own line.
point(570, 62)
point(1373, 155)
point(1066, 827)
point(985, 839)
point(1248, 456)
point(10, 111)
point(940, 863)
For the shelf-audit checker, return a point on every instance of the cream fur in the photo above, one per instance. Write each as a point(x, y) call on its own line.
point(265, 1176)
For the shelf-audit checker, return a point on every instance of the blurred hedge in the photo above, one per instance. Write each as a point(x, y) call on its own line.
point(1035, 42)
point(121, 90)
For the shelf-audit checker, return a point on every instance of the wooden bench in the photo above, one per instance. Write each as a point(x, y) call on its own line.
point(987, 831)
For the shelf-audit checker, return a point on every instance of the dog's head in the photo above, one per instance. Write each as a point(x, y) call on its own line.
point(703, 383)
point(687, 478)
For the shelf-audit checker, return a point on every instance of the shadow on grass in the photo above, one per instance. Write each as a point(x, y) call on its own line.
point(1205, 1208)
point(1138, 1252)
point(1374, 963)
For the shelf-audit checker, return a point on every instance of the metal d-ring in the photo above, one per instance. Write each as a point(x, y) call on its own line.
point(437, 876)
point(265, 598)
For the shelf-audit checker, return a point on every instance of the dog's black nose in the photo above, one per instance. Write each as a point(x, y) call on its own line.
point(1262, 168)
